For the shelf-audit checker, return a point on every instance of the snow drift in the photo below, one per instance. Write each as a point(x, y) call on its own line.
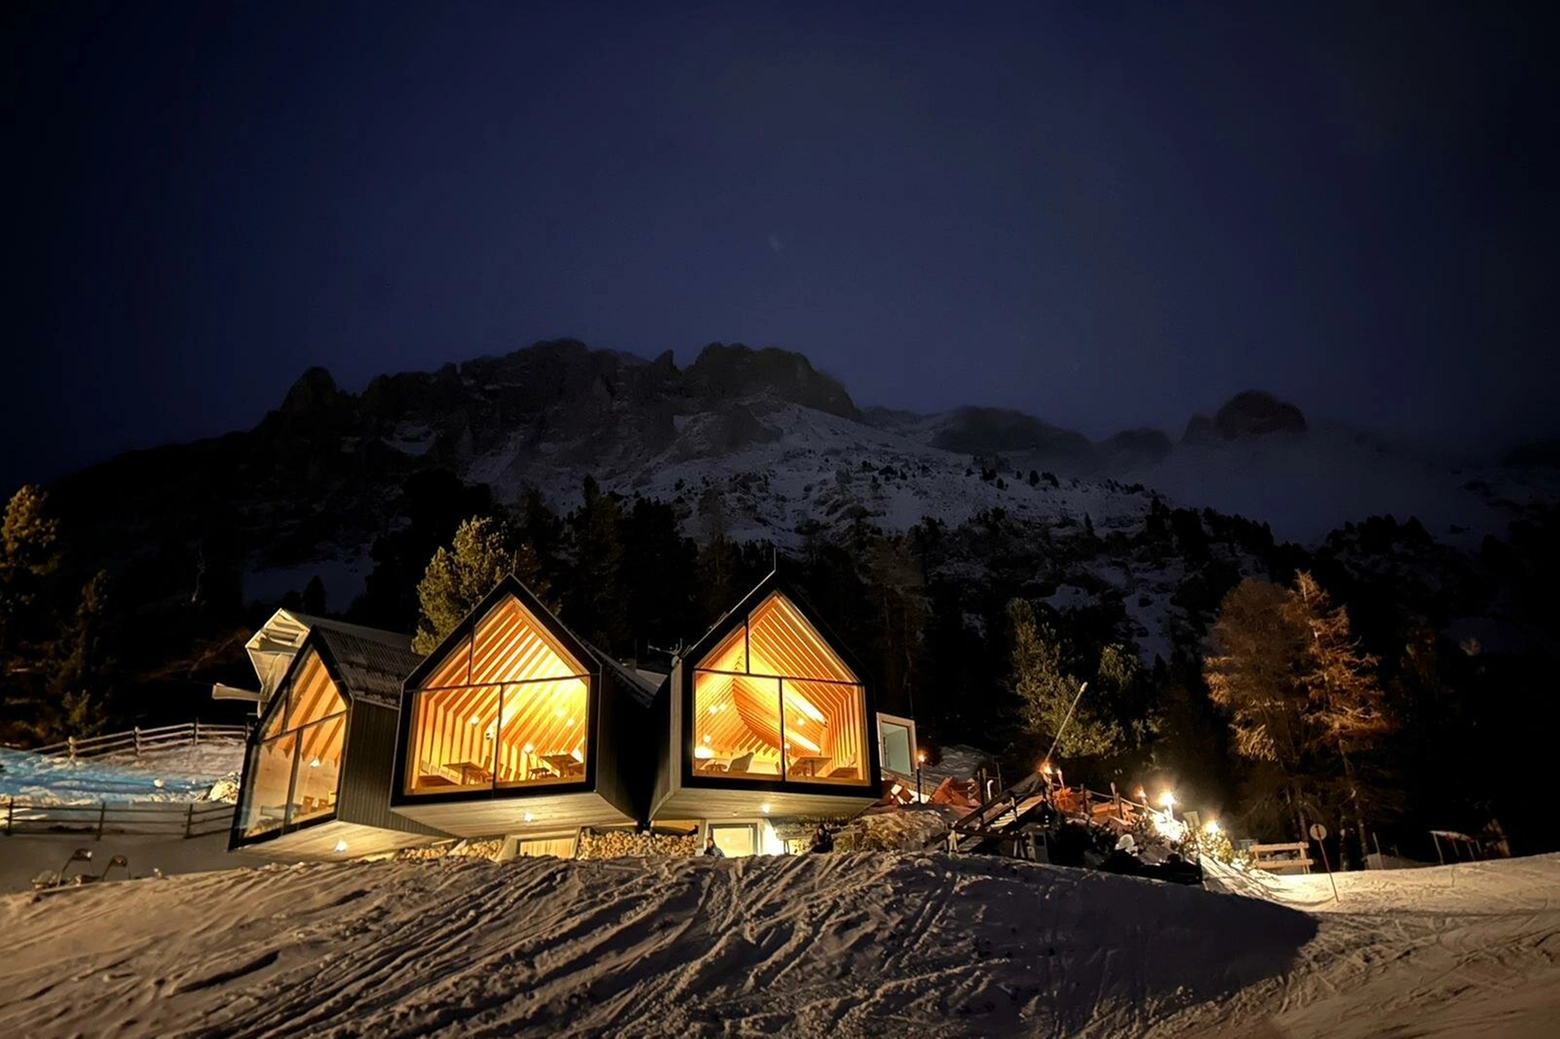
point(849, 945)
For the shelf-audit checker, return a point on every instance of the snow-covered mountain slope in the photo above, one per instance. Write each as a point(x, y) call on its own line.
point(756, 441)
point(858, 945)
point(802, 466)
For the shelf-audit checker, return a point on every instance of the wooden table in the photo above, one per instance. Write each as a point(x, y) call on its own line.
point(809, 765)
point(565, 764)
point(467, 769)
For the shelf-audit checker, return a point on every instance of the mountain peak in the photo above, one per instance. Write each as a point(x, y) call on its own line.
point(737, 370)
point(315, 389)
point(1246, 416)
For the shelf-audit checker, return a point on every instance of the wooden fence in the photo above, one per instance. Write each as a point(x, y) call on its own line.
point(171, 819)
point(140, 741)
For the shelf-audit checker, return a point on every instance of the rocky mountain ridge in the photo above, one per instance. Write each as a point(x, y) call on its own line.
point(778, 449)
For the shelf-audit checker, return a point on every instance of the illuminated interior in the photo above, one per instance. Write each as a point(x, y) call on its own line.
point(507, 706)
point(773, 701)
point(292, 775)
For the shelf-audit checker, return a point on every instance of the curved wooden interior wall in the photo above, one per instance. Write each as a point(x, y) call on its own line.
point(778, 661)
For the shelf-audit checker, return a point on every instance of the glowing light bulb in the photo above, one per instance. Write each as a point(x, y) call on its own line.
point(764, 809)
point(1167, 800)
point(706, 739)
point(1212, 827)
point(315, 763)
point(341, 846)
point(529, 749)
point(529, 817)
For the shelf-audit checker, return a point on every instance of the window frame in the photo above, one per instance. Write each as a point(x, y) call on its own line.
point(689, 666)
point(242, 833)
point(402, 793)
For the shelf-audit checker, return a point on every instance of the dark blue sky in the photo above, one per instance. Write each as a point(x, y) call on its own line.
point(1106, 215)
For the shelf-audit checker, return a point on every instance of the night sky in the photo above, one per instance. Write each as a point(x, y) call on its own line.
point(1108, 215)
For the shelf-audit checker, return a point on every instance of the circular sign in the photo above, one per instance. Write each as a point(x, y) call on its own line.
point(1318, 832)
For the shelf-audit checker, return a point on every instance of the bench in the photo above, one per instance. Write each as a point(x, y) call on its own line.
point(1281, 858)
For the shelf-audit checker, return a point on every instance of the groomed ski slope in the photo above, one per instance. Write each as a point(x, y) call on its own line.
point(837, 945)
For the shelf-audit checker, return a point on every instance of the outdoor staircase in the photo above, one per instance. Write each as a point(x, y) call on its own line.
point(1006, 810)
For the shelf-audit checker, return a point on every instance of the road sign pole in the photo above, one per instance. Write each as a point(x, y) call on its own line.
point(1319, 835)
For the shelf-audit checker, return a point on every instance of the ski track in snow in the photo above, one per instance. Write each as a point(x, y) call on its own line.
point(857, 945)
point(845, 945)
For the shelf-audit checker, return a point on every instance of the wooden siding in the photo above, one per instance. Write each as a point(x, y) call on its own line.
point(317, 843)
point(731, 802)
point(505, 814)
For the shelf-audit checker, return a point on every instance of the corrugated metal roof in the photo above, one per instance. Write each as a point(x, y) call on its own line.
point(372, 663)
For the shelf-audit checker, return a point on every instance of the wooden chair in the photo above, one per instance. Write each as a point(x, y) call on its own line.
point(740, 765)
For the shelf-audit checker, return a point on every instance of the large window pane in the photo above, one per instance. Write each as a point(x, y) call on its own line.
point(782, 642)
point(453, 740)
point(774, 699)
point(313, 695)
point(544, 734)
point(826, 732)
point(517, 715)
point(319, 768)
point(266, 785)
point(737, 725)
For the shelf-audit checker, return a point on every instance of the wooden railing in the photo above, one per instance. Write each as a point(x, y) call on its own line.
point(139, 741)
point(171, 819)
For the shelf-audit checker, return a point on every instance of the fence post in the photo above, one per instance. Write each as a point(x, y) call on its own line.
point(70, 741)
point(102, 811)
point(189, 820)
point(197, 730)
point(137, 741)
point(10, 808)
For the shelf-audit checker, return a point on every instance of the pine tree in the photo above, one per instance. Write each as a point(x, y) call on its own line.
point(460, 577)
point(1046, 694)
point(594, 600)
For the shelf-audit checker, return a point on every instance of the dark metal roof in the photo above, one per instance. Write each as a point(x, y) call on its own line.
point(371, 663)
point(641, 686)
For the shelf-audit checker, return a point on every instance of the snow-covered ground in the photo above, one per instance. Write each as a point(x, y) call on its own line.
point(175, 774)
point(1471, 949)
point(846, 945)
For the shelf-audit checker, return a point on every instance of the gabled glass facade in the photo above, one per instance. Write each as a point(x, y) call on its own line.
point(506, 707)
point(294, 770)
point(773, 701)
